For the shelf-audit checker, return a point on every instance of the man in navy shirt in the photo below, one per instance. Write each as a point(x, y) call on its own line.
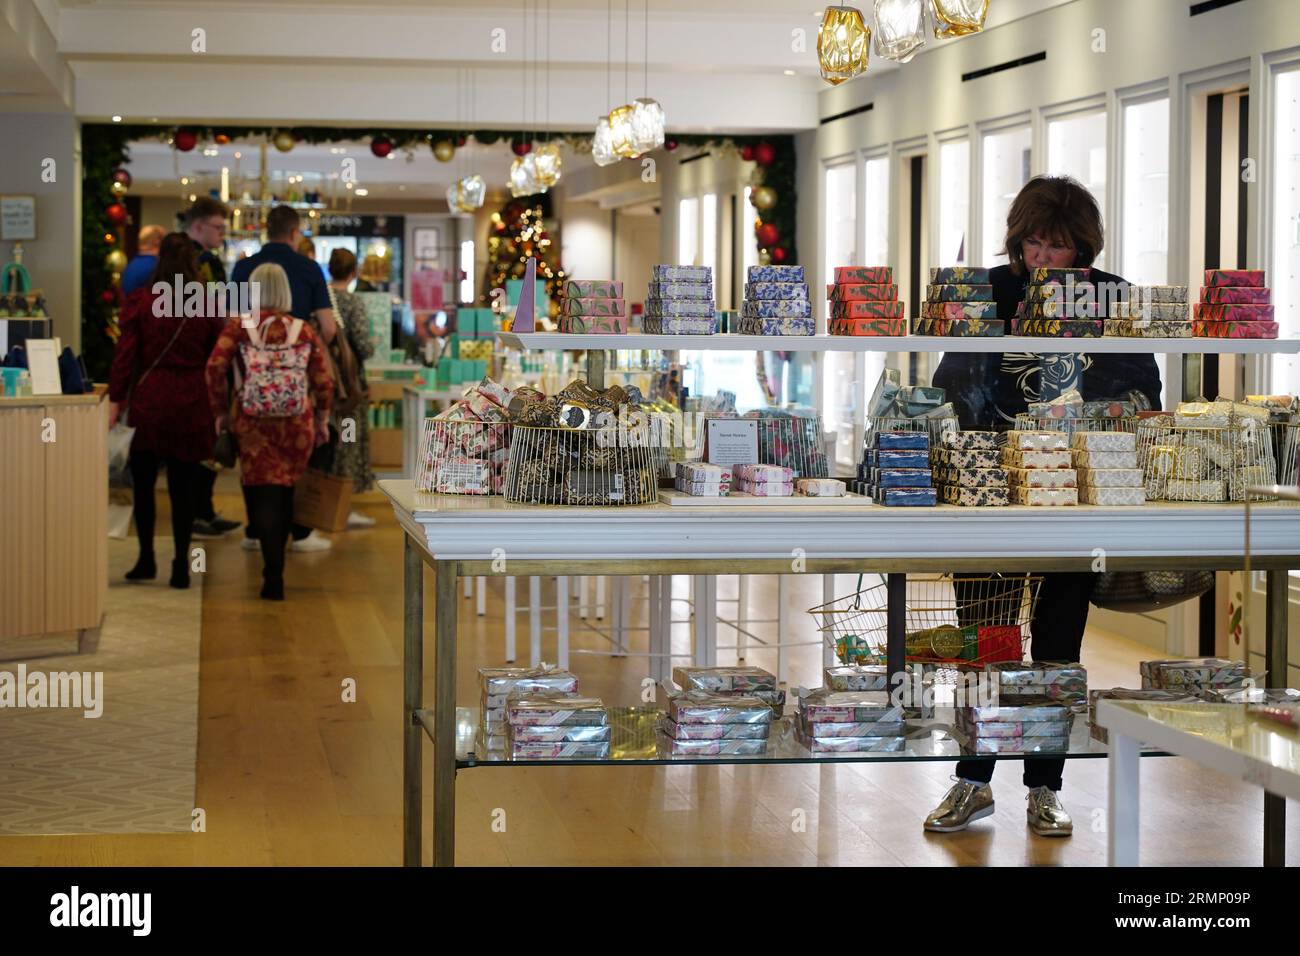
point(140, 270)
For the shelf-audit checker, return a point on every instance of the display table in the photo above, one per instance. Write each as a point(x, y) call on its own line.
point(1222, 737)
point(461, 536)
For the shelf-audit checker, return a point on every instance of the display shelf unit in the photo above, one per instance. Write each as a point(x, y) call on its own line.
point(906, 343)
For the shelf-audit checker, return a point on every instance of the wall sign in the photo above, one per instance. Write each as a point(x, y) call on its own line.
point(17, 218)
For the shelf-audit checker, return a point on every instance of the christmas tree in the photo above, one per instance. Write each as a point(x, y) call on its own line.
point(521, 229)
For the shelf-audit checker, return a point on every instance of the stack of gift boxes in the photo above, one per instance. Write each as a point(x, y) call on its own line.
point(1032, 725)
point(764, 481)
point(497, 684)
point(959, 301)
point(702, 480)
point(864, 301)
point(740, 681)
point(1235, 304)
point(855, 721)
point(856, 677)
point(776, 302)
point(1018, 681)
point(593, 306)
point(1151, 311)
point(1108, 468)
point(706, 723)
point(1212, 452)
point(556, 725)
point(680, 301)
point(969, 469)
point(1196, 675)
point(1038, 464)
point(896, 470)
point(465, 449)
point(1061, 303)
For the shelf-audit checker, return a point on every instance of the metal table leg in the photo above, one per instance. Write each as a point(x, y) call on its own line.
point(1276, 596)
point(412, 694)
point(896, 626)
point(444, 716)
point(1123, 808)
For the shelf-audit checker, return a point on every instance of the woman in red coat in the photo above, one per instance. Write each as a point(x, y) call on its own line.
point(157, 376)
point(273, 448)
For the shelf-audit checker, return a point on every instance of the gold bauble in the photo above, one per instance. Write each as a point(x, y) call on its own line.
point(764, 257)
point(115, 261)
point(764, 197)
point(118, 189)
point(444, 150)
point(284, 141)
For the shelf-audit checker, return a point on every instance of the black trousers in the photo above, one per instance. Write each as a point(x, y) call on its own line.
point(203, 508)
point(1056, 634)
point(270, 511)
point(183, 479)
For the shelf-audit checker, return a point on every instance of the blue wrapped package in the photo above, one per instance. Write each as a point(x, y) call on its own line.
point(902, 441)
point(775, 274)
point(907, 497)
point(668, 273)
point(776, 309)
point(903, 459)
point(786, 325)
point(665, 289)
point(679, 308)
point(676, 325)
point(776, 290)
point(902, 478)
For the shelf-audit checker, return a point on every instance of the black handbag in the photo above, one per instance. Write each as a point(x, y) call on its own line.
point(1133, 592)
point(226, 450)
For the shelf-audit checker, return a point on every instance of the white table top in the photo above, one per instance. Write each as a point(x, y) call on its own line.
point(466, 527)
point(1222, 737)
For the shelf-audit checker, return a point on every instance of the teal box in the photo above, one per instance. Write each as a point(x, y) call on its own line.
point(480, 370)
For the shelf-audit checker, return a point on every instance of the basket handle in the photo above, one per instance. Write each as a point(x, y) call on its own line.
point(857, 592)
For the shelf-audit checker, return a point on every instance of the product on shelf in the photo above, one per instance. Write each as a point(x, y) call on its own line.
point(701, 479)
point(855, 721)
point(464, 450)
point(776, 302)
point(1236, 295)
point(894, 326)
point(555, 709)
point(1059, 328)
point(820, 488)
point(1016, 458)
point(869, 275)
point(985, 497)
point(961, 310)
point(671, 290)
point(971, 477)
point(1234, 305)
point(958, 306)
point(706, 723)
point(961, 328)
point(867, 309)
point(654, 325)
point(1251, 695)
point(1029, 725)
point(555, 726)
point(959, 275)
point(677, 731)
point(959, 292)
point(967, 458)
point(856, 677)
point(593, 306)
point(496, 684)
point(971, 440)
point(1193, 675)
point(1043, 477)
point(1047, 497)
point(1249, 278)
point(727, 747)
point(868, 706)
point(671, 273)
point(592, 288)
point(1152, 695)
point(1021, 680)
point(1035, 441)
point(719, 680)
point(678, 308)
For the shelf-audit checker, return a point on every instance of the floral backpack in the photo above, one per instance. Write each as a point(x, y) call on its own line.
point(275, 383)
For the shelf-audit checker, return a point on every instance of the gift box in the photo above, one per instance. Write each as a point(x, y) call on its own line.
point(1110, 478)
point(1106, 460)
point(998, 642)
point(871, 275)
point(1233, 313)
point(906, 497)
point(776, 309)
point(593, 307)
point(724, 679)
point(679, 308)
point(870, 728)
point(844, 293)
point(703, 489)
point(1044, 275)
point(592, 289)
point(1234, 330)
point(856, 677)
point(970, 440)
point(1035, 711)
point(1011, 729)
point(778, 473)
point(503, 681)
point(987, 497)
point(593, 324)
point(1236, 295)
point(1158, 293)
point(897, 326)
point(766, 489)
point(702, 707)
point(776, 326)
point(1044, 477)
point(1046, 497)
point(1181, 489)
point(1122, 328)
point(959, 293)
point(669, 290)
point(1016, 458)
point(677, 731)
point(715, 748)
point(1056, 308)
point(670, 273)
point(1059, 328)
point(961, 328)
point(972, 477)
point(867, 309)
point(1181, 329)
point(902, 478)
point(902, 458)
point(1104, 441)
point(959, 310)
point(775, 274)
point(820, 488)
point(523, 733)
point(972, 458)
point(775, 290)
point(1016, 745)
point(959, 275)
point(1036, 441)
point(657, 325)
point(1253, 278)
point(827, 706)
point(852, 744)
point(902, 441)
point(703, 471)
point(1150, 311)
point(555, 710)
point(1095, 495)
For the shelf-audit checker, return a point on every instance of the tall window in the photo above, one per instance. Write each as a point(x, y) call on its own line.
point(1076, 147)
point(1145, 216)
point(954, 202)
point(1285, 277)
point(875, 217)
point(688, 232)
point(749, 219)
point(1006, 169)
point(709, 232)
point(841, 217)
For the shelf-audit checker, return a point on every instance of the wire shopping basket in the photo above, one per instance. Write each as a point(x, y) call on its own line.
point(954, 619)
point(1029, 423)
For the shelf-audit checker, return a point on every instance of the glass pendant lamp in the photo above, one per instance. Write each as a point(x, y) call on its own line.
point(602, 144)
point(900, 29)
point(843, 41)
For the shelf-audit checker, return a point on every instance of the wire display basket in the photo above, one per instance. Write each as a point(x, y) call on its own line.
point(616, 465)
point(951, 619)
point(1030, 423)
point(936, 428)
point(463, 458)
point(794, 441)
point(1207, 464)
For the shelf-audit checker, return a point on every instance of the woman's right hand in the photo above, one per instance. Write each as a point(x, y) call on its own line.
point(221, 424)
point(114, 413)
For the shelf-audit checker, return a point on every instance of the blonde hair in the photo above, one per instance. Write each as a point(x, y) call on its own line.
point(273, 290)
point(374, 269)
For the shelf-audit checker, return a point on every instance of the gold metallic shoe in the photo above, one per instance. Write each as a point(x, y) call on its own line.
point(963, 805)
point(1046, 815)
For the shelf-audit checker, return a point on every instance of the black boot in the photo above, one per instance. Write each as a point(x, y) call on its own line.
point(273, 589)
point(146, 569)
point(180, 574)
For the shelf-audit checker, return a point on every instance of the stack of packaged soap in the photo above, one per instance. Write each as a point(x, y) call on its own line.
point(1211, 451)
point(734, 681)
point(968, 468)
point(593, 306)
point(706, 724)
point(1151, 311)
point(896, 470)
point(959, 301)
point(556, 725)
point(1038, 464)
point(497, 684)
point(703, 480)
point(764, 481)
point(680, 301)
point(1235, 304)
point(856, 677)
point(1020, 680)
point(820, 488)
point(1193, 676)
point(864, 301)
point(464, 449)
point(832, 721)
point(1061, 303)
point(1034, 725)
point(1153, 695)
point(776, 302)
point(1108, 468)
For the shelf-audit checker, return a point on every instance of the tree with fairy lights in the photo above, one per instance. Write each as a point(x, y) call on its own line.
point(523, 228)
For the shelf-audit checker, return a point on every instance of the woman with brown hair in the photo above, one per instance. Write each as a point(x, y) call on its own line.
point(1054, 223)
point(352, 456)
point(157, 375)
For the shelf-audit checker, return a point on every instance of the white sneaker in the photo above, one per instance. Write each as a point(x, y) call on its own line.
point(357, 520)
point(250, 544)
point(313, 542)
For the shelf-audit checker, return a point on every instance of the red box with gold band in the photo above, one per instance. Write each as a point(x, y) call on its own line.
point(872, 275)
point(1237, 312)
point(1236, 295)
point(867, 310)
point(880, 326)
point(1253, 278)
point(862, 292)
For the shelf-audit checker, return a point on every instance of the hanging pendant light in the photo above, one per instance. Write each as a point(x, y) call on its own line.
point(620, 131)
point(843, 41)
point(900, 29)
point(602, 144)
point(647, 125)
point(956, 18)
point(466, 194)
point(523, 176)
point(546, 164)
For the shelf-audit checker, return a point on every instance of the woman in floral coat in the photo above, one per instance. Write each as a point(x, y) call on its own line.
point(273, 451)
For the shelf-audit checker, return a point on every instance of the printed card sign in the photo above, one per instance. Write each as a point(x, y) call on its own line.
point(731, 441)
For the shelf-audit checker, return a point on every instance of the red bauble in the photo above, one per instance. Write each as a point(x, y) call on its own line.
point(381, 146)
point(521, 147)
point(221, 139)
point(747, 153)
point(120, 175)
point(768, 234)
point(764, 153)
point(109, 296)
point(461, 141)
point(116, 214)
point(185, 140)
point(670, 144)
point(778, 254)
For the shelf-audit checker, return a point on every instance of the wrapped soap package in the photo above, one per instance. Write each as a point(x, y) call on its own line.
point(1181, 674)
point(593, 288)
point(867, 309)
point(679, 308)
point(902, 441)
point(747, 325)
point(876, 275)
point(959, 275)
point(852, 744)
point(1037, 441)
point(907, 497)
point(776, 309)
point(870, 728)
point(654, 325)
point(727, 747)
point(1110, 478)
point(776, 290)
point(863, 292)
point(960, 328)
point(702, 707)
point(1059, 328)
point(1043, 275)
point(1046, 496)
point(668, 289)
point(1042, 728)
point(976, 497)
point(971, 477)
point(723, 679)
point(1016, 745)
point(503, 681)
point(857, 677)
point(534, 751)
point(891, 478)
point(1104, 441)
point(979, 292)
point(775, 274)
point(593, 324)
point(880, 326)
point(1015, 458)
point(820, 488)
point(1236, 295)
point(704, 471)
point(555, 710)
point(1043, 477)
point(971, 440)
point(593, 306)
point(672, 273)
point(968, 458)
point(678, 731)
point(1235, 277)
point(1093, 495)
point(1043, 709)
point(866, 706)
point(902, 458)
point(1102, 460)
point(525, 733)
point(959, 310)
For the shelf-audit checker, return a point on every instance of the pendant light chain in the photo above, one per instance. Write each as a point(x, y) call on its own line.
point(627, 51)
point(645, 40)
point(609, 55)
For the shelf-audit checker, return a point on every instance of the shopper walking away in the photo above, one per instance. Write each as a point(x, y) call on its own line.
point(1054, 222)
point(157, 377)
point(352, 458)
point(139, 271)
point(280, 414)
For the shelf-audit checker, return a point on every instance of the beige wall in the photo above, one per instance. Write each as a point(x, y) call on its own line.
point(636, 250)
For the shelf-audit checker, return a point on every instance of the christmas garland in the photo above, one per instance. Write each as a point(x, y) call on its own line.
point(105, 155)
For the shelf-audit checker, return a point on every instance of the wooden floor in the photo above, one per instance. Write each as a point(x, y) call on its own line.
point(289, 774)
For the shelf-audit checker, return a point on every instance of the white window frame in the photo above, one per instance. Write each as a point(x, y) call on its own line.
point(1260, 241)
point(1040, 157)
point(1022, 120)
point(943, 138)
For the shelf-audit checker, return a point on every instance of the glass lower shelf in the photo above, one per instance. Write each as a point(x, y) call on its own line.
point(636, 740)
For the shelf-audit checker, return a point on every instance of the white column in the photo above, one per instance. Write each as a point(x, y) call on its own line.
point(600, 597)
point(534, 620)
point(582, 597)
point(562, 621)
point(480, 582)
point(510, 620)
